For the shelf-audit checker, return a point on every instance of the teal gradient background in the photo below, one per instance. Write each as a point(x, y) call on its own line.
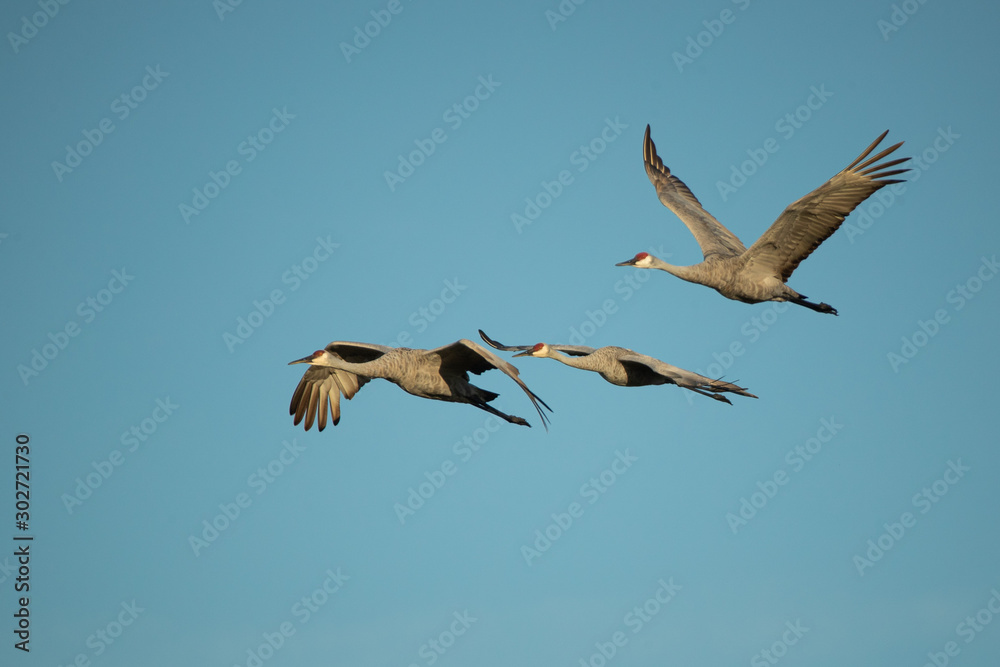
point(306, 230)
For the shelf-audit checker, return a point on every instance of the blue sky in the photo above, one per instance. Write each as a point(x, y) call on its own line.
point(194, 197)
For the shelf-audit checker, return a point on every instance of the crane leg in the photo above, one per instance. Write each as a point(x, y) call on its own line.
point(509, 418)
point(818, 307)
point(717, 397)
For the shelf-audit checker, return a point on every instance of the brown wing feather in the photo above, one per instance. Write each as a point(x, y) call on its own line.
point(713, 238)
point(806, 223)
point(465, 355)
point(573, 350)
point(320, 388)
point(357, 353)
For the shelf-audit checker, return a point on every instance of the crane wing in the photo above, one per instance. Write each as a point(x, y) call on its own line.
point(808, 222)
point(319, 388)
point(464, 355)
point(357, 353)
point(574, 350)
point(715, 240)
point(681, 377)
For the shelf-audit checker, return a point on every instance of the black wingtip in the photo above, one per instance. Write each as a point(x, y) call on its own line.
point(489, 341)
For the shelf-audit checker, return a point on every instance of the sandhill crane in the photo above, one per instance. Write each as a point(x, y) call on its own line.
point(759, 273)
point(441, 374)
point(623, 367)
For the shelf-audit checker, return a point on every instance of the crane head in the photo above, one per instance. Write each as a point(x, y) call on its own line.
point(537, 350)
point(642, 261)
point(310, 359)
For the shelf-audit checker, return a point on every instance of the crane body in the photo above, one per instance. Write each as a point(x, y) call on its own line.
point(759, 273)
point(441, 374)
point(624, 367)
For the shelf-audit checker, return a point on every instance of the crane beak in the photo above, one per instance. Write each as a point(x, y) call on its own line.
point(526, 353)
point(303, 360)
point(630, 262)
point(311, 359)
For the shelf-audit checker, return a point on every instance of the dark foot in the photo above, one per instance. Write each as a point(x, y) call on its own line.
point(818, 307)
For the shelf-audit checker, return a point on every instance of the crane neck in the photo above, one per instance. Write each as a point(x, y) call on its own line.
point(689, 273)
point(372, 369)
point(575, 362)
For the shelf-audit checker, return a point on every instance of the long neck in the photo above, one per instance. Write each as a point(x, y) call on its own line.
point(583, 362)
point(689, 273)
point(373, 369)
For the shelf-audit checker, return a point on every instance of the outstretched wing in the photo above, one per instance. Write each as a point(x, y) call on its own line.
point(681, 377)
point(812, 219)
point(464, 355)
point(319, 388)
point(573, 350)
point(357, 353)
point(714, 239)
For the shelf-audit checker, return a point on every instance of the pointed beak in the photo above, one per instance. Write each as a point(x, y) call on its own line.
point(303, 360)
point(526, 353)
point(630, 262)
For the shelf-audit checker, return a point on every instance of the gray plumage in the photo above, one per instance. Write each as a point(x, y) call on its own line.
point(441, 374)
point(625, 368)
point(759, 273)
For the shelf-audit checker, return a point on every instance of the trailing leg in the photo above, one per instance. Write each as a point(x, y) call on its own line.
point(818, 307)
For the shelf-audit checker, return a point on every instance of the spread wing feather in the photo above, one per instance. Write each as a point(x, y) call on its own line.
point(684, 378)
point(464, 355)
point(573, 350)
point(715, 240)
point(357, 353)
point(319, 389)
point(809, 221)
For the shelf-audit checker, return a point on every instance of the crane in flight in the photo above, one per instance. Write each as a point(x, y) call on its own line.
point(623, 367)
point(759, 273)
point(441, 374)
